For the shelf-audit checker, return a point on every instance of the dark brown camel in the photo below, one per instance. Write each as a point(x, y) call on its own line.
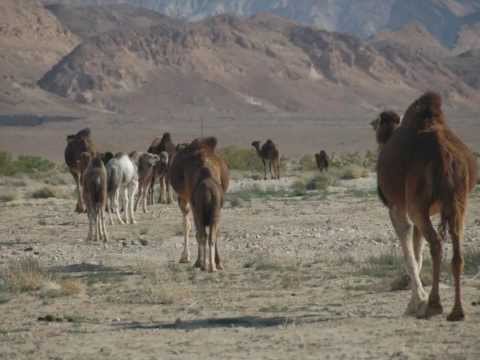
point(76, 145)
point(425, 169)
point(157, 147)
point(200, 178)
point(322, 161)
point(268, 152)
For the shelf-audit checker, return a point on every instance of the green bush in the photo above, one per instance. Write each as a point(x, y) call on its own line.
point(321, 182)
point(24, 164)
point(241, 159)
point(307, 163)
point(353, 172)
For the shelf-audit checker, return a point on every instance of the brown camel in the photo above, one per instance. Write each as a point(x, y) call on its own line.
point(384, 125)
point(94, 183)
point(157, 147)
point(268, 152)
point(76, 145)
point(200, 178)
point(425, 169)
point(322, 161)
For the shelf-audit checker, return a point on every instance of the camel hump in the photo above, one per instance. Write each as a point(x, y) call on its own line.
point(209, 143)
point(269, 142)
point(84, 133)
point(424, 112)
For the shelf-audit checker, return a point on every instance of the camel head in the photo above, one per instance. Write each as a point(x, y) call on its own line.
point(384, 125)
point(424, 112)
point(256, 144)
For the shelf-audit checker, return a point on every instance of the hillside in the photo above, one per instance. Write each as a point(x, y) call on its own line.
point(229, 64)
point(442, 18)
point(86, 21)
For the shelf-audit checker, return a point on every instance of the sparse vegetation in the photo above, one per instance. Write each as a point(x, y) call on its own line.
point(24, 164)
point(44, 193)
point(24, 274)
point(241, 159)
point(307, 163)
point(353, 172)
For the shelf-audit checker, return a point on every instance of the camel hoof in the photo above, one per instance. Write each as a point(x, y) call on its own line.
point(212, 269)
point(456, 315)
point(219, 266)
point(184, 259)
point(429, 310)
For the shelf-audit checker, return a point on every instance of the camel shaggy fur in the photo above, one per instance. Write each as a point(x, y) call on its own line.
point(160, 172)
point(322, 161)
point(425, 169)
point(268, 152)
point(94, 182)
point(76, 145)
point(200, 178)
point(122, 175)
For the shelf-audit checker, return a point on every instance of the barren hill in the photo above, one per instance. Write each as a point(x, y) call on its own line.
point(442, 18)
point(86, 21)
point(228, 64)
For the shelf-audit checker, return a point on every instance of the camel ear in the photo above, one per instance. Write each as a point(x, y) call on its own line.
point(70, 138)
point(209, 143)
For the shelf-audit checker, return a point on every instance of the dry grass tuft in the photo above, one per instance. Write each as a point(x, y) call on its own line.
point(44, 193)
point(24, 274)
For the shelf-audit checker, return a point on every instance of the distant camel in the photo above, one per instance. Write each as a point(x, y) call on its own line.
point(269, 154)
point(94, 183)
point(157, 146)
point(200, 178)
point(76, 145)
point(322, 161)
point(122, 175)
point(146, 164)
point(425, 169)
point(384, 125)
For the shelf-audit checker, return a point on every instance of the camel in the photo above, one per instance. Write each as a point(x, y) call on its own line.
point(146, 164)
point(157, 146)
point(200, 177)
point(76, 145)
point(122, 174)
point(94, 183)
point(425, 169)
point(322, 161)
point(384, 126)
point(268, 152)
point(161, 173)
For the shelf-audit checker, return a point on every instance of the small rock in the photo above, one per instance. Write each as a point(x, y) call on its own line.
point(144, 242)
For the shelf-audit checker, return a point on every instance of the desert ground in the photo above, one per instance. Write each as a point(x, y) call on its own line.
point(308, 274)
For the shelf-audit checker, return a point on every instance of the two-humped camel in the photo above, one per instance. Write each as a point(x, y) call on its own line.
point(425, 169)
point(165, 144)
point(268, 152)
point(76, 145)
point(200, 178)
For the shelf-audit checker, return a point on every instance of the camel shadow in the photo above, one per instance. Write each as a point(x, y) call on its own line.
point(93, 273)
point(228, 322)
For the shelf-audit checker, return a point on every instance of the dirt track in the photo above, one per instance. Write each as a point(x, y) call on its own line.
point(295, 285)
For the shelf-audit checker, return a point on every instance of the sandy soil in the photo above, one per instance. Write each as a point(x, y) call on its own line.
point(296, 284)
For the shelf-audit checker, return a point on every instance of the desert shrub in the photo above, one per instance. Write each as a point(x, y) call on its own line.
point(321, 182)
point(24, 274)
point(9, 196)
point(44, 193)
point(307, 163)
point(241, 159)
point(299, 188)
point(353, 172)
point(24, 164)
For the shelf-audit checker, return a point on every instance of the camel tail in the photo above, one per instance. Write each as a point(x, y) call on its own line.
point(207, 198)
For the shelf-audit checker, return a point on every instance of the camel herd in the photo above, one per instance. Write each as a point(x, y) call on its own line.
point(423, 169)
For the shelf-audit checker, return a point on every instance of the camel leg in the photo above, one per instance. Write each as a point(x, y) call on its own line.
point(169, 194)
point(418, 246)
point(212, 239)
point(98, 233)
point(270, 169)
point(264, 169)
point(132, 190)
point(125, 204)
point(102, 223)
point(80, 208)
point(110, 206)
point(425, 226)
point(162, 190)
point(145, 209)
point(218, 259)
point(404, 228)
point(139, 198)
point(456, 228)
point(117, 206)
point(90, 226)
point(187, 226)
point(277, 168)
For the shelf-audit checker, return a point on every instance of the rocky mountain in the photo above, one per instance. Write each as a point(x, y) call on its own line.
point(442, 18)
point(228, 64)
point(86, 21)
